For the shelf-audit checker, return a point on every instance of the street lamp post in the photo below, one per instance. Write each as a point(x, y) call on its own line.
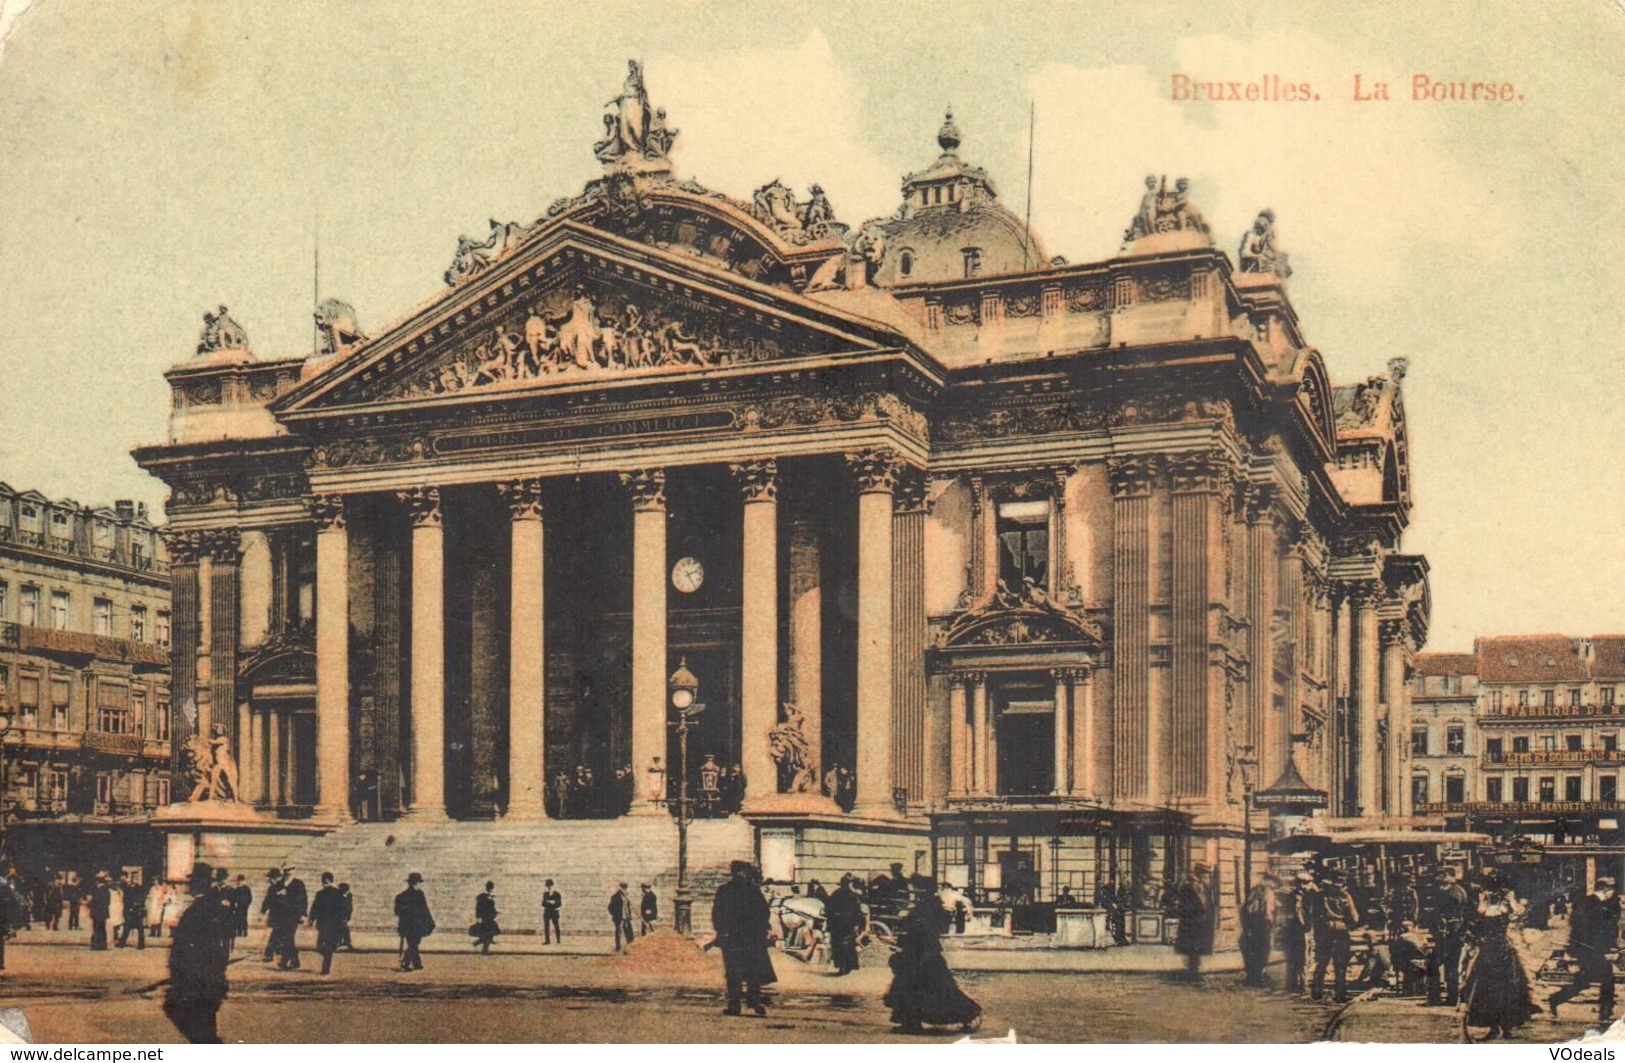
point(1243, 763)
point(684, 685)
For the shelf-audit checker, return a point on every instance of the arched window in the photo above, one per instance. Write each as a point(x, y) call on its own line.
point(905, 263)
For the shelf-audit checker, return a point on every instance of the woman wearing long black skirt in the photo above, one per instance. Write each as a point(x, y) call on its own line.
point(485, 929)
point(923, 991)
point(1495, 988)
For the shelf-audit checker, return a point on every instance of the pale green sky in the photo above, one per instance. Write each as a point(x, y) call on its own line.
point(159, 158)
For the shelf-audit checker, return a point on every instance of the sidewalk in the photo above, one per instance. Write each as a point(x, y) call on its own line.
point(1006, 954)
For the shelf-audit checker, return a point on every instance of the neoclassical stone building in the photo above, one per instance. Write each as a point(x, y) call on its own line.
point(1051, 560)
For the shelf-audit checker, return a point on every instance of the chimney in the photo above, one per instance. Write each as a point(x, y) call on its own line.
point(141, 510)
point(124, 508)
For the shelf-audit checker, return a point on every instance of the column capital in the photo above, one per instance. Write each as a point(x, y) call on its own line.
point(647, 488)
point(327, 511)
point(974, 677)
point(221, 544)
point(424, 505)
point(910, 491)
point(1199, 472)
point(875, 469)
point(524, 498)
point(185, 547)
point(1394, 633)
point(758, 480)
point(1132, 475)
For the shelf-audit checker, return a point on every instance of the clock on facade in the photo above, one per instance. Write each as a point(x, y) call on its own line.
point(687, 575)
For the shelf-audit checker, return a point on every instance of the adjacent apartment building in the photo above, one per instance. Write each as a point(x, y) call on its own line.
point(1520, 739)
point(84, 680)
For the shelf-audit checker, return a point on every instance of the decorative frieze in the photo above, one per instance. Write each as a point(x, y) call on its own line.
point(423, 504)
point(758, 481)
point(646, 487)
point(524, 498)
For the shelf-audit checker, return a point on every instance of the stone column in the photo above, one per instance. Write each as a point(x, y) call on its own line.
point(428, 680)
point(223, 545)
point(183, 636)
point(805, 635)
point(1366, 681)
point(332, 660)
point(1128, 763)
point(246, 750)
point(759, 624)
point(1396, 695)
point(1197, 734)
point(270, 755)
point(959, 731)
point(1063, 734)
point(527, 652)
point(982, 782)
point(910, 736)
point(876, 474)
point(647, 488)
point(1265, 726)
point(1085, 731)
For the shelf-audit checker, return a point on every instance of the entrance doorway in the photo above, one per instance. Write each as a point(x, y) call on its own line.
point(1025, 737)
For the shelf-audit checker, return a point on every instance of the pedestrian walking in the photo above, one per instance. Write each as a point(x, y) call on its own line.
point(1495, 988)
point(115, 910)
point(552, 901)
point(1449, 923)
point(198, 956)
point(843, 919)
point(101, 907)
point(135, 912)
point(648, 911)
point(1335, 917)
point(73, 894)
point(484, 929)
point(327, 916)
point(743, 924)
point(1292, 912)
point(923, 991)
point(1258, 928)
point(413, 921)
point(1593, 933)
point(620, 913)
point(242, 903)
point(1188, 903)
point(54, 896)
point(346, 911)
point(285, 906)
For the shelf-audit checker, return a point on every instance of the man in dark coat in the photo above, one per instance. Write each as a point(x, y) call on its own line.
point(843, 917)
point(1257, 928)
point(285, 909)
point(1109, 900)
point(648, 910)
point(199, 951)
point(1292, 912)
point(485, 929)
point(742, 921)
point(346, 910)
point(1335, 917)
point(620, 913)
point(1593, 934)
point(1189, 904)
point(242, 902)
point(101, 908)
point(54, 896)
point(1448, 926)
point(552, 901)
point(135, 913)
point(413, 921)
point(327, 916)
point(73, 895)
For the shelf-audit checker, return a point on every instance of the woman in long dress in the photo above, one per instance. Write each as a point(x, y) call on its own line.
point(923, 991)
point(485, 929)
point(1495, 987)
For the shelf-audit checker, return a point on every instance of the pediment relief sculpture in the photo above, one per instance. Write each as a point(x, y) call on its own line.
point(1018, 618)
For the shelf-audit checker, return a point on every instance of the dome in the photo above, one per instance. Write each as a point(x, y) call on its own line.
point(951, 225)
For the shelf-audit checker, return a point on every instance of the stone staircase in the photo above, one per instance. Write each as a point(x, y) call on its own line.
point(586, 859)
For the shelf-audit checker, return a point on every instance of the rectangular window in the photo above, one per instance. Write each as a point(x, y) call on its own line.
point(160, 628)
point(1607, 695)
point(30, 614)
point(54, 788)
point(1607, 788)
point(1419, 789)
point(104, 791)
point(1023, 530)
point(1571, 788)
point(1495, 701)
point(160, 792)
point(1520, 791)
point(1419, 741)
point(5, 599)
point(1574, 698)
point(1494, 747)
point(138, 623)
point(1455, 740)
point(1548, 789)
point(1520, 744)
point(1123, 291)
point(28, 693)
point(112, 708)
point(1572, 742)
point(1523, 699)
point(102, 617)
point(1492, 790)
point(1199, 284)
point(1548, 698)
point(1455, 787)
point(973, 261)
point(1548, 743)
point(160, 720)
point(59, 610)
point(138, 710)
point(59, 525)
point(60, 699)
point(1610, 743)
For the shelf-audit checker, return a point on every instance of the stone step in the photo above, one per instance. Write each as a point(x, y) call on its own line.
point(584, 858)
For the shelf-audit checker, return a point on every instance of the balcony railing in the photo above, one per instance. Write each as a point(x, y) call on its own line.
point(1538, 807)
point(105, 555)
point(78, 643)
point(1571, 757)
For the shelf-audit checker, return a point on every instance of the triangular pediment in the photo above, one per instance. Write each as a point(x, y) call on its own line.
point(578, 306)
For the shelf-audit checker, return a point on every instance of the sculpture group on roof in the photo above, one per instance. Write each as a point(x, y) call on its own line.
point(800, 223)
point(221, 333)
point(1164, 211)
point(634, 132)
point(474, 256)
point(1258, 253)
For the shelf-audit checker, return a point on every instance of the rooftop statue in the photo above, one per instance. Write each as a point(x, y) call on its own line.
point(336, 327)
point(1258, 252)
point(221, 333)
point(473, 256)
point(1162, 211)
point(800, 223)
point(635, 134)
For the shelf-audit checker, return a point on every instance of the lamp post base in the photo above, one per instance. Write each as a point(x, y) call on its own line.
point(683, 914)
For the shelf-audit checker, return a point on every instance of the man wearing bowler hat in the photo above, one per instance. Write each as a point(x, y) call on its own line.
point(413, 921)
